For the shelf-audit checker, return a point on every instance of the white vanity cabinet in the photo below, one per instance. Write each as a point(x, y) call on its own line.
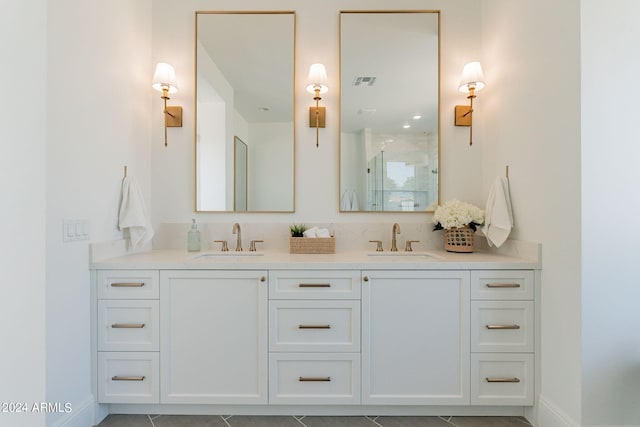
point(314, 337)
point(292, 335)
point(214, 336)
point(415, 337)
point(127, 336)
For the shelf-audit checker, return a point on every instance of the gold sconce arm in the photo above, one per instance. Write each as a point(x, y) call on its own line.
point(164, 80)
point(317, 84)
point(472, 80)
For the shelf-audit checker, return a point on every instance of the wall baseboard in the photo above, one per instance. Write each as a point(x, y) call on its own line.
point(550, 416)
point(80, 416)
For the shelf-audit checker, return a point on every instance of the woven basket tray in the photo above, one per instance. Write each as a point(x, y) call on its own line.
point(312, 245)
point(459, 239)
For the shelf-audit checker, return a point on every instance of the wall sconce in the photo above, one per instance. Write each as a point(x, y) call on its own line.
point(472, 80)
point(164, 80)
point(317, 84)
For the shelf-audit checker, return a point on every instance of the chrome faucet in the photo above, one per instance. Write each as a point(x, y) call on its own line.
point(236, 230)
point(395, 230)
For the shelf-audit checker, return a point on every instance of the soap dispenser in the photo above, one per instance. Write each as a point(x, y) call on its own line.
point(193, 238)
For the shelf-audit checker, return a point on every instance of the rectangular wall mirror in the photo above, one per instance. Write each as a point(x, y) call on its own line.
point(244, 91)
point(389, 110)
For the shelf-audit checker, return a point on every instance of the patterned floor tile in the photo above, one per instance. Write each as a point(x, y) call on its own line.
point(189, 421)
point(115, 420)
point(489, 422)
point(262, 421)
point(338, 422)
point(412, 422)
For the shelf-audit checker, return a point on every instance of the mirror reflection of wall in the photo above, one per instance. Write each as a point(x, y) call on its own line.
point(244, 90)
point(389, 139)
point(240, 150)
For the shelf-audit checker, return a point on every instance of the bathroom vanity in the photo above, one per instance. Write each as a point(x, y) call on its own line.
point(347, 333)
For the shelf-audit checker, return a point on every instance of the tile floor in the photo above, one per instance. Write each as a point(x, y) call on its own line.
point(311, 421)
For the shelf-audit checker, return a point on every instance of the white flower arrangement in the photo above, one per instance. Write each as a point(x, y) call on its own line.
point(455, 213)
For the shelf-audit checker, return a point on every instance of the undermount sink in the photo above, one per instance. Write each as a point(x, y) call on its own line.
point(400, 254)
point(229, 254)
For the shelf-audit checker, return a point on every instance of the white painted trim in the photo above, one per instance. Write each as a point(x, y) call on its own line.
point(550, 416)
point(80, 416)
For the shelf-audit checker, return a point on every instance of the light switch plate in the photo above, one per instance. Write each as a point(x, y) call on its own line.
point(75, 229)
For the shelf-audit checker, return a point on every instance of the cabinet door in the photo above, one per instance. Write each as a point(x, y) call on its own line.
point(415, 337)
point(214, 337)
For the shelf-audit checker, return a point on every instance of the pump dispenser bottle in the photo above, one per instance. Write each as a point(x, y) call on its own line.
point(193, 238)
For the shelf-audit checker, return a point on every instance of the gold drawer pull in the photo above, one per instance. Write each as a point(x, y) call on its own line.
point(314, 379)
point(314, 285)
point(503, 326)
point(127, 325)
point(314, 326)
point(119, 378)
point(127, 285)
point(503, 285)
point(503, 380)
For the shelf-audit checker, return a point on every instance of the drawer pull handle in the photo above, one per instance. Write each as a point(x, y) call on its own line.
point(263, 279)
point(127, 325)
point(119, 378)
point(503, 380)
point(127, 285)
point(314, 285)
point(503, 285)
point(314, 379)
point(314, 326)
point(503, 326)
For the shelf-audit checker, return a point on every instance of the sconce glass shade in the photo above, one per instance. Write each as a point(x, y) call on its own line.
point(165, 77)
point(471, 77)
point(317, 78)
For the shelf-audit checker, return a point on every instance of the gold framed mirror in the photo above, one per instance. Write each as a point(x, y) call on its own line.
point(245, 90)
point(389, 110)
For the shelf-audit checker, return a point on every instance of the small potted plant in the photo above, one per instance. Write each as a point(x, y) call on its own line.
point(297, 230)
point(459, 220)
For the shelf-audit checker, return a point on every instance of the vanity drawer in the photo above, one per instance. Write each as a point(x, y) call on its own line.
point(314, 284)
point(313, 379)
point(128, 377)
point(502, 284)
point(502, 379)
point(502, 326)
point(128, 284)
point(315, 326)
point(125, 325)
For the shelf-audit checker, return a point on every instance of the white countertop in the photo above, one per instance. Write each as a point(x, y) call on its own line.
point(359, 260)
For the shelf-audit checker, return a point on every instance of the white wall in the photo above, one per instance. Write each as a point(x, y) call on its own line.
point(270, 165)
point(99, 107)
point(610, 212)
point(529, 119)
point(22, 217)
point(317, 191)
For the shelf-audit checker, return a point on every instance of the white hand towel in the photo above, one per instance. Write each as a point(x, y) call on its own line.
point(355, 205)
point(323, 232)
point(498, 220)
point(310, 232)
point(132, 218)
point(345, 201)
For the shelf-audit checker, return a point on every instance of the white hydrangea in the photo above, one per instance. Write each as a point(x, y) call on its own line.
point(455, 213)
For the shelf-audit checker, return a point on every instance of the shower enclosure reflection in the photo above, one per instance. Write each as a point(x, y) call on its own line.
point(389, 139)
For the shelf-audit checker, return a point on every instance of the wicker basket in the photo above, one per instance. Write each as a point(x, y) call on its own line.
point(458, 239)
point(312, 245)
